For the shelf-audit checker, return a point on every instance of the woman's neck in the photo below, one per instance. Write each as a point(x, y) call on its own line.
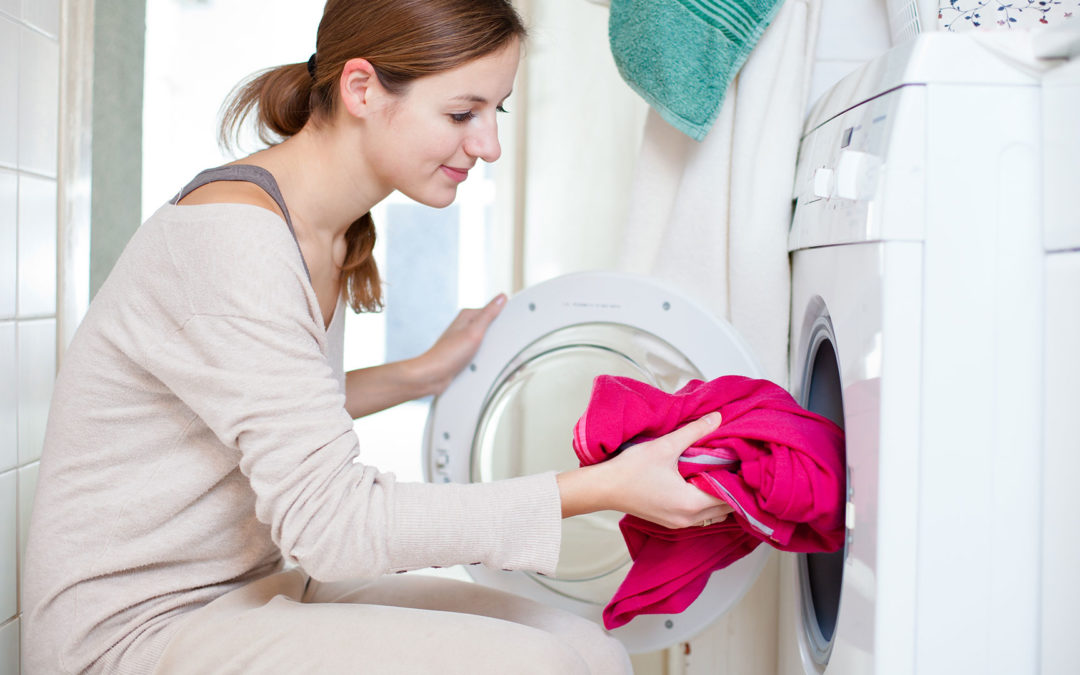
point(323, 180)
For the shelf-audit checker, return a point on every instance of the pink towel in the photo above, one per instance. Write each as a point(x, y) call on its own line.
point(780, 467)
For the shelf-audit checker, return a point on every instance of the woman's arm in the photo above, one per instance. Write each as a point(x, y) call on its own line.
point(644, 481)
point(370, 390)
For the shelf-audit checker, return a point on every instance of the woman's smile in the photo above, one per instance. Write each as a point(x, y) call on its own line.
point(457, 175)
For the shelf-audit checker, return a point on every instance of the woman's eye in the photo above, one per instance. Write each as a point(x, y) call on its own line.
point(462, 117)
point(500, 108)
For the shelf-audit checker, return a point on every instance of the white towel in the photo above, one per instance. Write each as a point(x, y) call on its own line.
point(713, 217)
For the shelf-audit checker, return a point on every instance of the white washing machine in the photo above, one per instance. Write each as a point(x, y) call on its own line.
point(512, 413)
point(919, 306)
point(922, 292)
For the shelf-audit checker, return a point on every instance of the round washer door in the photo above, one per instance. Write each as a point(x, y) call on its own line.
point(512, 413)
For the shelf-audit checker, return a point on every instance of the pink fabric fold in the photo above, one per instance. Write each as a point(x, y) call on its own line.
point(779, 466)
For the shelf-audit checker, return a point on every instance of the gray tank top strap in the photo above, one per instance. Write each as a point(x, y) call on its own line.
point(250, 174)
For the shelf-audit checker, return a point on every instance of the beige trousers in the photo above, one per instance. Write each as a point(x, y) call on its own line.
point(396, 624)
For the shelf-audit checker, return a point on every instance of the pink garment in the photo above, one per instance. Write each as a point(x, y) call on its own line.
point(779, 466)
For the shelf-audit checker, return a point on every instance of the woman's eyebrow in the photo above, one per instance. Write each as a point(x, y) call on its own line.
point(475, 98)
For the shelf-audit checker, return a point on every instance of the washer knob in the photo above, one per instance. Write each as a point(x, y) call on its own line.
point(856, 175)
point(823, 182)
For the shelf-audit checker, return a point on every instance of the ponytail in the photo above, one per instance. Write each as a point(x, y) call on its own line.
point(360, 276)
point(280, 96)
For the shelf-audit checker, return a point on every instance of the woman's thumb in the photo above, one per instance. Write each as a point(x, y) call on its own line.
point(688, 434)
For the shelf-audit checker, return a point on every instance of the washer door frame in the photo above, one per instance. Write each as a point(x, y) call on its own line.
point(712, 345)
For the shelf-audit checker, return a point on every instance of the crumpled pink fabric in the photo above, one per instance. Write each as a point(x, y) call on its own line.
point(779, 466)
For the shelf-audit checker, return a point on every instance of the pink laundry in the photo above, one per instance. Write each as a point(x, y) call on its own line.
point(779, 466)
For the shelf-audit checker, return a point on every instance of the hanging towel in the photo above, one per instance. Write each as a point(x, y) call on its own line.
point(681, 55)
point(779, 466)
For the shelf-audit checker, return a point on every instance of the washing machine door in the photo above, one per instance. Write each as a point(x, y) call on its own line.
point(512, 412)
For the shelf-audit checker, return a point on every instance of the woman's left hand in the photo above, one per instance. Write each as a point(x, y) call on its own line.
point(458, 344)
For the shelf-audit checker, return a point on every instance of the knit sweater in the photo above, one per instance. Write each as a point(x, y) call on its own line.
point(198, 440)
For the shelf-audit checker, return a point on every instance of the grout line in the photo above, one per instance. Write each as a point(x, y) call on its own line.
point(29, 26)
point(26, 172)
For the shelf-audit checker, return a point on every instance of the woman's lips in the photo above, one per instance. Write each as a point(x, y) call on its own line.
point(457, 175)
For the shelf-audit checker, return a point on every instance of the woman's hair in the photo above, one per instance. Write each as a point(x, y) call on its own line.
point(403, 40)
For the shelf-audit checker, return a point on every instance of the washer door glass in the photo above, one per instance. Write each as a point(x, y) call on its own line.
point(525, 428)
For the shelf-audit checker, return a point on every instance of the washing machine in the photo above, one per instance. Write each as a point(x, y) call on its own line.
point(918, 316)
point(512, 413)
point(926, 317)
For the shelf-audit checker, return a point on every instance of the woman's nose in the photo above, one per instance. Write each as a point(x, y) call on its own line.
point(484, 143)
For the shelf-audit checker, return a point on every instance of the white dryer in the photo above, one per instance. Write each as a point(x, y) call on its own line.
point(918, 314)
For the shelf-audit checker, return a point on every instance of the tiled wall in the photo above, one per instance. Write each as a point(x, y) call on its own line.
point(29, 84)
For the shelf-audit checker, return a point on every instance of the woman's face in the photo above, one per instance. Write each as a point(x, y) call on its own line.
point(437, 129)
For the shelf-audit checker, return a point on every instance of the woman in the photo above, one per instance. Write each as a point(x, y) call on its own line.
point(201, 437)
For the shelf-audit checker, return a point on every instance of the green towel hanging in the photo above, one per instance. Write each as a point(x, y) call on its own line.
point(682, 55)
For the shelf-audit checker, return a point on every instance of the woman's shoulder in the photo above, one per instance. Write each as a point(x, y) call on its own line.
point(216, 250)
point(231, 192)
point(216, 229)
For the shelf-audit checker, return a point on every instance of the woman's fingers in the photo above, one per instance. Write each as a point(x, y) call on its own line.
point(714, 514)
point(685, 436)
point(492, 309)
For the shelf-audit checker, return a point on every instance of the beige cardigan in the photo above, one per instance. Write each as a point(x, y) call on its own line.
point(198, 434)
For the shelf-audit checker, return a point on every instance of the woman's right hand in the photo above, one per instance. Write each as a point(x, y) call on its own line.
point(643, 480)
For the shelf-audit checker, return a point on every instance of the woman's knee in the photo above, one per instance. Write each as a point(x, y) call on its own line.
point(604, 654)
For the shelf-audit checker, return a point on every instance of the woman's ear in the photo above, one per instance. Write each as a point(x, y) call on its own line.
point(358, 87)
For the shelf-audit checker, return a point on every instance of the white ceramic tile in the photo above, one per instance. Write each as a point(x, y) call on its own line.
point(9, 378)
point(36, 344)
point(43, 15)
point(37, 246)
point(9, 648)
point(9, 584)
point(28, 476)
point(853, 30)
point(9, 91)
point(39, 97)
point(9, 212)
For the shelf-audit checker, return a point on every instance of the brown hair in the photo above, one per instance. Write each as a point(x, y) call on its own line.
point(403, 40)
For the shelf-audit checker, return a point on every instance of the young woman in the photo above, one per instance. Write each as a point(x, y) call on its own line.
point(200, 508)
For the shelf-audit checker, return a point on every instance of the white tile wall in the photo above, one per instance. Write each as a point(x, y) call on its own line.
point(9, 535)
point(9, 210)
point(28, 476)
point(29, 100)
point(43, 15)
point(9, 386)
point(9, 87)
point(39, 96)
point(37, 246)
point(9, 648)
point(36, 347)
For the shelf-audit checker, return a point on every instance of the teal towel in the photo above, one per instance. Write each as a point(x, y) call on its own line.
point(681, 55)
